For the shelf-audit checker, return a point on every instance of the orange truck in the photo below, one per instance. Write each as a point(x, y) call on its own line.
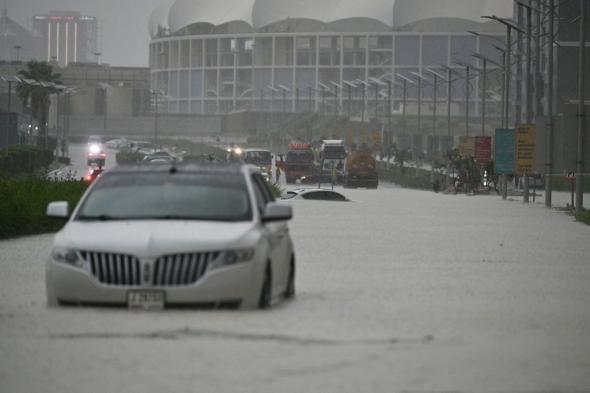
point(361, 169)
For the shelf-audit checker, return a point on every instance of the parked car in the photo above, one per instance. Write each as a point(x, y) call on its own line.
point(213, 236)
point(316, 194)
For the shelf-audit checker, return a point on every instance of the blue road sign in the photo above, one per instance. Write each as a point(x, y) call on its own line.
point(505, 151)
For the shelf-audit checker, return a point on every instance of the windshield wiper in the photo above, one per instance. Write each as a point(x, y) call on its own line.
point(189, 218)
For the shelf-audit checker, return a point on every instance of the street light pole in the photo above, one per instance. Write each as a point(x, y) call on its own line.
point(549, 124)
point(581, 110)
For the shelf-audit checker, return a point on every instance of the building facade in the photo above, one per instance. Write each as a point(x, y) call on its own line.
point(335, 56)
point(69, 37)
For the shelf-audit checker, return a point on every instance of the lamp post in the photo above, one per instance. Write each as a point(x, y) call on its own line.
point(364, 86)
point(405, 81)
point(350, 86)
point(339, 88)
point(284, 90)
point(581, 109)
point(510, 25)
point(324, 89)
point(485, 60)
point(467, 93)
point(10, 80)
point(550, 123)
point(156, 94)
point(105, 88)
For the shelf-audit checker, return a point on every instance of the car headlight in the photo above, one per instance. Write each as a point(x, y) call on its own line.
point(232, 257)
point(67, 256)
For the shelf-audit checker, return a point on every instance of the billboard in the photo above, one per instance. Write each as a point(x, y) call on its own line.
point(525, 149)
point(467, 146)
point(505, 151)
point(483, 150)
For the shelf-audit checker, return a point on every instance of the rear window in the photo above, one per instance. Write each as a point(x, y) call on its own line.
point(299, 156)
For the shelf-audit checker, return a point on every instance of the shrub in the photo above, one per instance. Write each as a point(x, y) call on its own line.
point(128, 158)
point(23, 204)
point(24, 159)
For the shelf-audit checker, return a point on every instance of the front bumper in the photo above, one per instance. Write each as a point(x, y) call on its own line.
point(239, 285)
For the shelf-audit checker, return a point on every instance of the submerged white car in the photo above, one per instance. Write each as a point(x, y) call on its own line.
point(167, 236)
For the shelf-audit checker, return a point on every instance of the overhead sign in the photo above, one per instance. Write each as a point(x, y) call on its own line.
point(504, 151)
point(467, 146)
point(483, 150)
point(525, 149)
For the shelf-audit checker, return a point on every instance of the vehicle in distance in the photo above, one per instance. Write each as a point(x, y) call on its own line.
point(160, 157)
point(213, 236)
point(298, 163)
point(361, 169)
point(315, 194)
point(95, 154)
point(261, 159)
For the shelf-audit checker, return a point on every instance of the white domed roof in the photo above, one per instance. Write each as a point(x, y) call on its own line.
point(267, 12)
point(159, 18)
point(216, 12)
point(410, 11)
point(261, 13)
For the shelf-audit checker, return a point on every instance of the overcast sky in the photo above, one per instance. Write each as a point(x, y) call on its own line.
point(123, 31)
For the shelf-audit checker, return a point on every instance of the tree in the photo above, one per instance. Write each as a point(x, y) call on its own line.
point(36, 94)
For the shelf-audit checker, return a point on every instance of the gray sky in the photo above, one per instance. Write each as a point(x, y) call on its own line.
point(123, 31)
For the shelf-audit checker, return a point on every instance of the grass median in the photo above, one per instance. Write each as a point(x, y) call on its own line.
point(23, 202)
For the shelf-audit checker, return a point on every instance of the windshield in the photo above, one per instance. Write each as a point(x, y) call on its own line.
point(335, 152)
point(258, 157)
point(140, 196)
point(299, 156)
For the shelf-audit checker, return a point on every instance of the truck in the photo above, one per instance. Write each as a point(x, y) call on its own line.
point(361, 169)
point(332, 159)
point(299, 162)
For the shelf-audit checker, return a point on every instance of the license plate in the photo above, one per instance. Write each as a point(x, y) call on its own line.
point(146, 300)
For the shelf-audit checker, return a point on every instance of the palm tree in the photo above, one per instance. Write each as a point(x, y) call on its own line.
point(36, 94)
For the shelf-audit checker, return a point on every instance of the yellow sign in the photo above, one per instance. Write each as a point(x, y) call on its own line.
point(467, 146)
point(363, 137)
point(377, 137)
point(525, 149)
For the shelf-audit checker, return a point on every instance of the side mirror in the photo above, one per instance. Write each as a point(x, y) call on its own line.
point(58, 210)
point(277, 212)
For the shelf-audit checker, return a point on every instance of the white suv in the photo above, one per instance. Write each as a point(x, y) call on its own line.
point(168, 236)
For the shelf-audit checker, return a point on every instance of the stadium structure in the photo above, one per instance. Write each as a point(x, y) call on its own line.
point(348, 57)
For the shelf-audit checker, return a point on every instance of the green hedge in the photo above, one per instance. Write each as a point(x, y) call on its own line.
point(560, 183)
point(405, 177)
point(24, 201)
point(584, 217)
point(128, 158)
point(24, 159)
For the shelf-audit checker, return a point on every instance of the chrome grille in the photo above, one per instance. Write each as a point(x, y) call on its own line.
point(114, 269)
point(181, 269)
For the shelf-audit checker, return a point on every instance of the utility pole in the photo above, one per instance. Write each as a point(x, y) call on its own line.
point(537, 67)
point(550, 123)
point(390, 131)
point(483, 96)
point(581, 110)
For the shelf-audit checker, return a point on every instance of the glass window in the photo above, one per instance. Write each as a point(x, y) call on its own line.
point(197, 84)
point(407, 50)
point(165, 196)
point(262, 79)
point(227, 83)
point(305, 78)
point(196, 54)
point(462, 48)
point(245, 51)
point(244, 87)
point(329, 50)
point(211, 84)
point(306, 50)
point(173, 62)
point(173, 91)
point(211, 51)
point(435, 50)
point(284, 77)
point(228, 51)
point(184, 84)
point(263, 51)
point(355, 51)
point(284, 51)
point(184, 53)
point(380, 50)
